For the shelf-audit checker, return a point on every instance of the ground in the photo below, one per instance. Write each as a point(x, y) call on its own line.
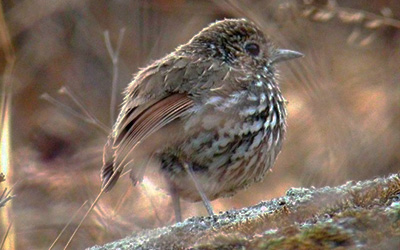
point(363, 214)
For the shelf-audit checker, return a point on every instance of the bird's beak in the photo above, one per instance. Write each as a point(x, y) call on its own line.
point(281, 55)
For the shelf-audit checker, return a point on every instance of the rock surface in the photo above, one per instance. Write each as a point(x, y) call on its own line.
point(363, 214)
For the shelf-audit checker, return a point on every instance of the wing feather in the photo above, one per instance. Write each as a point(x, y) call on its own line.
point(137, 129)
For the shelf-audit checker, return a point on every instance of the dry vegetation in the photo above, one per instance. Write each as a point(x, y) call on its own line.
point(344, 104)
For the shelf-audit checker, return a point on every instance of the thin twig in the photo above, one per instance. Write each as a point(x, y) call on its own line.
point(5, 117)
point(114, 55)
point(352, 15)
point(3, 241)
point(121, 200)
point(69, 110)
point(5, 197)
point(83, 219)
point(70, 94)
point(69, 222)
point(92, 206)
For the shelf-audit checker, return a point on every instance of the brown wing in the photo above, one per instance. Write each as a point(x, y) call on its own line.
point(136, 128)
point(149, 106)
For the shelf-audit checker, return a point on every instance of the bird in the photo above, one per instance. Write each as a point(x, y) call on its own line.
point(209, 117)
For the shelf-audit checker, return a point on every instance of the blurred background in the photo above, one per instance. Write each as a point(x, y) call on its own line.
point(344, 104)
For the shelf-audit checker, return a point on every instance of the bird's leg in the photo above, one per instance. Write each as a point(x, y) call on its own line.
point(203, 196)
point(176, 203)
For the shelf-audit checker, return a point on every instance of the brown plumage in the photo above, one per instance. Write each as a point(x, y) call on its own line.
point(213, 104)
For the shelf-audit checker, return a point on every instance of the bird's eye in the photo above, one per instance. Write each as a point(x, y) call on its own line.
point(252, 48)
